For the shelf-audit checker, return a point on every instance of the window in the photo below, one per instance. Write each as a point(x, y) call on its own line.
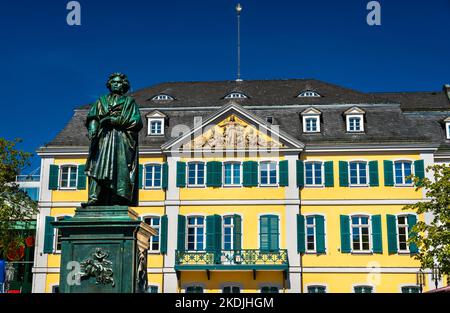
point(269, 289)
point(447, 128)
point(55, 289)
point(358, 173)
point(196, 233)
point(309, 94)
point(402, 170)
point(156, 126)
point(269, 119)
point(402, 231)
point(228, 226)
point(154, 222)
point(162, 97)
point(310, 233)
point(268, 233)
point(410, 289)
point(68, 177)
point(58, 234)
point(152, 289)
point(363, 289)
point(196, 174)
point(194, 289)
point(313, 174)
point(316, 289)
point(236, 95)
point(312, 125)
point(152, 176)
point(32, 192)
point(232, 175)
point(268, 173)
point(360, 233)
point(355, 124)
point(231, 289)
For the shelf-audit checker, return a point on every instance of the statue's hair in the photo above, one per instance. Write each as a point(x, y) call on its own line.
point(126, 82)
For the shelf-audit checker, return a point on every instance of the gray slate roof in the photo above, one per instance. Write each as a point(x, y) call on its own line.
point(407, 117)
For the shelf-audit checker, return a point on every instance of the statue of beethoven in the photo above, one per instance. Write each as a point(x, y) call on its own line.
point(113, 124)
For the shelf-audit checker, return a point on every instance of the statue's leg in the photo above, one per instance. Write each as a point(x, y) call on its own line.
point(93, 193)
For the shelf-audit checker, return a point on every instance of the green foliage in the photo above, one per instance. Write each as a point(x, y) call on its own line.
point(433, 239)
point(15, 205)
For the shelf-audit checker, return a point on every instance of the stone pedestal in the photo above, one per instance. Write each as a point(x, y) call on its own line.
point(104, 250)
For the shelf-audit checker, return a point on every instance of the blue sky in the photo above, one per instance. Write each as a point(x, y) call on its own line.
point(49, 68)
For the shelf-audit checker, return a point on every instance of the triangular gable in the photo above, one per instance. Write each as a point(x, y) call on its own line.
point(155, 113)
point(233, 127)
point(311, 111)
point(354, 110)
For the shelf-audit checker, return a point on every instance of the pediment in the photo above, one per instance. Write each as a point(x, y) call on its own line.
point(354, 110)
point(311, 111)
point(155, 114)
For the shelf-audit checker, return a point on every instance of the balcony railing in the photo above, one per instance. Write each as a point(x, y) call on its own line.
point(232, 259)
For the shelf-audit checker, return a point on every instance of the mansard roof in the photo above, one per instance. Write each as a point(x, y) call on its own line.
point(413, 117)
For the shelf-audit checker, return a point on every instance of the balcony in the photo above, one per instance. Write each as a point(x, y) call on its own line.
point(244, 259)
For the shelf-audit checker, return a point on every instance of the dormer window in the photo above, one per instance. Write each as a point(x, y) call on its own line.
point(236, 95)
point(309, 94)
point(447, 127)
point(162, 97)
point(354, 120)
point(269, 119)
point(155, 123)
point(311, 120)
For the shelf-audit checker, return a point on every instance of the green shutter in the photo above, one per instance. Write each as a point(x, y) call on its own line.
point(49, 235)
point(141, 176)
point(320, 233)
point(300, 174)
point(284, 173)
point(392, 233)
point(300, 234)
point(373, 174)
point(163, 234)
point(237, 232)
point(273, 233)
point(210, 233)
point(53, 177)
point(214, 174)
point(264, 233)
point(181, 174)
point(81, 184)
point(412, 220)
point(419, 170)
point(376, 234)
point(181, 240)
point(343, 173)
point(165, 176)
point(250, 174)
point(345, 234)
point(329, 175)
point(388, 173)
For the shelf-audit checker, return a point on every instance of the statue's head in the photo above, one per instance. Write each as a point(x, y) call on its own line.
point(118, 83)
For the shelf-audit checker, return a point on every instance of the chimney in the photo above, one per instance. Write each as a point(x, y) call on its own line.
point(447, 90)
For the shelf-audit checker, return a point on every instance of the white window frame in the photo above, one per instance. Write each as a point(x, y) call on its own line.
point(56, 233)
point(447, 129)
point(268, 184)
point(309, 94)
point(195, 226)
point(162, 97)
point(358, 176)
point(149, 126)
point(370, 250)
point(305, 128)
point(322, 173)
point(232, 231)
point(404, 183)
point(158, 227)
point(232, 174)
point(153, 176)
point(68, 176)
point(196, 174)
point(397, 225)
point(361, 122)
point(314, 226)
point(236, 95)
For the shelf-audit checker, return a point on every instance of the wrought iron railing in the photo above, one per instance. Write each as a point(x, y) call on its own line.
point(243, 257)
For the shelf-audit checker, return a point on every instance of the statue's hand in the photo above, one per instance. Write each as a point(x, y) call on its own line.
point(115, 121)
point(105, 121)
point(92, 133)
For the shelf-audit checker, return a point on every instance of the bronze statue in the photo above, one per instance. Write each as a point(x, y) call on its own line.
point(113, 124)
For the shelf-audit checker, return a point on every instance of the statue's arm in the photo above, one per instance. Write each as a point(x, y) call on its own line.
point(92, 128)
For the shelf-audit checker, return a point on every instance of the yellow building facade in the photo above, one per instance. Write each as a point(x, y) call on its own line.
point(245, 200)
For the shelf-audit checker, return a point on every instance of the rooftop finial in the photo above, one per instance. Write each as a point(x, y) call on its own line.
point(238, 12)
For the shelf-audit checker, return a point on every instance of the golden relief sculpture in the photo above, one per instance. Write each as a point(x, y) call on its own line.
point(232, 134)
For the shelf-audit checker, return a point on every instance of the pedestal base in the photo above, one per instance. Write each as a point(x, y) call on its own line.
point(104, 250)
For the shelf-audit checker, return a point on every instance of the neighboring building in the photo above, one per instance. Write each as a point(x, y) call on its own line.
point(320, 211)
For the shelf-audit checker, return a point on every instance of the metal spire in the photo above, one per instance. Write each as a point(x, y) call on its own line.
point(238, 11)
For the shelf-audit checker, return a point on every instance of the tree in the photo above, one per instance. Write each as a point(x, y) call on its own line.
point(433, 239)
point(16, 207)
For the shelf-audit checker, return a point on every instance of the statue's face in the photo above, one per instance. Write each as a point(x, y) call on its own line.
point(117, 85)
